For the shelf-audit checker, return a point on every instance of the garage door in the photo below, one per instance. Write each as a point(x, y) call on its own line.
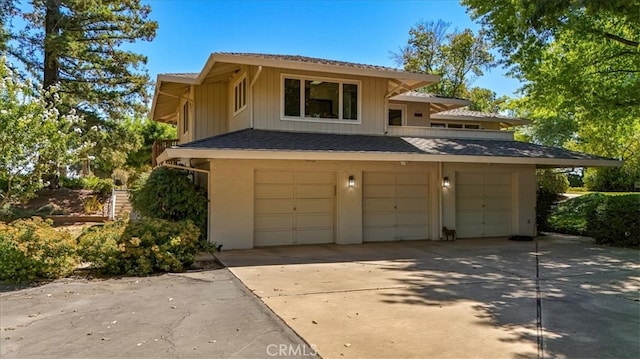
point(394, 206)
point(294, 207)
point(483, 204)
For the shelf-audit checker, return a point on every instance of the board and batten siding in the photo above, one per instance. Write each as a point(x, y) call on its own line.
point(211, 109)
point(267, 99)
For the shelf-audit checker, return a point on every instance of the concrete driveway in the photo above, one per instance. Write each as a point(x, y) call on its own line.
point(468, 298)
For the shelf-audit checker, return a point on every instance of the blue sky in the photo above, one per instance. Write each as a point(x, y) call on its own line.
point(357, 31)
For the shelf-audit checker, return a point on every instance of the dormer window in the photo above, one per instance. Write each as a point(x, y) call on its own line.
point(320, 99)
point(240, 94)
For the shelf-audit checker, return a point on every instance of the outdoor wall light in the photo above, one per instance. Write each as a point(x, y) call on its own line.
point(352, 181)
point(445, 182)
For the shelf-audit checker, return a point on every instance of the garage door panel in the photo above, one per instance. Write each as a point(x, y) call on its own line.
point(273, 221)
point(498, 190)
point(378, 234)
point(320, 205)
point(378, 205)
point(278, 177)
point(395, 206)
point(411, 191)
point(412, 233)
point(379, 220)
point(483, 204)
point(497, 216)
point(314, 191)
point(469, 203)
point(469, 191)
point(412, 204)
point(378, 191)
point(469, 217)
point(272, 206)
point(311, 221)
point(411, 178)
point(314, 236)
point(273, 191)
point(412, 219)
point(468, 178)
point(497, 203)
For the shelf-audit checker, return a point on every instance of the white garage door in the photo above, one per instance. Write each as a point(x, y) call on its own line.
point(394, 206)
point(483, 204)
point(294, 207)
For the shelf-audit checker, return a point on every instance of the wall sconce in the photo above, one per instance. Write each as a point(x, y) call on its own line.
point(352, 181)
point(445, 182)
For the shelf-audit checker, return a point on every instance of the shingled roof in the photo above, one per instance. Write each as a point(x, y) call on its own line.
point(262, 140)
point(313, 60)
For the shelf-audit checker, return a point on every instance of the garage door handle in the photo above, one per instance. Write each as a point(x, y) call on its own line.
point(294, 208)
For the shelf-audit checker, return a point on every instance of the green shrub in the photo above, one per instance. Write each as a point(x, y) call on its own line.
point(32, 249)
point(616, 221)
point(140, 248)
point(170, 194)
point(72, 183)
point(103, 186)
point(571, 215)
point(611, 179)
point(550, 185)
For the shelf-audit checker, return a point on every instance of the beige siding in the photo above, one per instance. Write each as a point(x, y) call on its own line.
point(267, 105)
point(211, 109)
point(414, 108)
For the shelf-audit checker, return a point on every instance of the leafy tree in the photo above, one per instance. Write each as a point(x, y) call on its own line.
point(580, 63)
point(484, 100)
point(150, 131)
point(457, 56)
point(79, 44)
point(35, 138)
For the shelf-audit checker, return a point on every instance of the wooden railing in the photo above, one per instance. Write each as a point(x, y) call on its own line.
point(158, 147)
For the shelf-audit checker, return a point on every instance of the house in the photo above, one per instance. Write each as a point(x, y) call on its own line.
point(297, 150)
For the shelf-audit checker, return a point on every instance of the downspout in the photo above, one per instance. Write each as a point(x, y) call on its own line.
point(253, 82)
point(439, 183)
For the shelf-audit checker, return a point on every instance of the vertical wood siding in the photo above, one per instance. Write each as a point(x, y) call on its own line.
point(211, 109)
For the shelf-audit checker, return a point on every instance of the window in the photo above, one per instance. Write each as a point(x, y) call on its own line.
point(240, 95)
point(456, 125)
point(396, 116)
point(185, 117)
point(321, 99)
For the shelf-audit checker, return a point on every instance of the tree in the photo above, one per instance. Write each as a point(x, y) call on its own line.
point(580, 63)
point(457, 56)
point(35, 138)
point(485, 100)
point(80, 45)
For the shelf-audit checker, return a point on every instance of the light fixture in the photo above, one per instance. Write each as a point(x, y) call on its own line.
point(445, 182)
point(352, 181)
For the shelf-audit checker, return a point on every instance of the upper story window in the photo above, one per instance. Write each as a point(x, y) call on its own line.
point(240, 94)
point(320, 99)
point(185, 117)
point(397, 115)
point(468, 126)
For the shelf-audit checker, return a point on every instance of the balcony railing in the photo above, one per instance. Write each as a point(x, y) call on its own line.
point(158, 147)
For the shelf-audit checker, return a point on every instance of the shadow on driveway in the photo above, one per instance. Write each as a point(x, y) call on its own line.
point(469, 298)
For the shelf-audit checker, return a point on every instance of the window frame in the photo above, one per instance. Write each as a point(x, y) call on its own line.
point(464, 125)
point(185, 117)
point(403, 109)
point(239, 85)
point(302, 117)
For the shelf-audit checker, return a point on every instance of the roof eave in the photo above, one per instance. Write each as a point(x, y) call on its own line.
point(180, 152)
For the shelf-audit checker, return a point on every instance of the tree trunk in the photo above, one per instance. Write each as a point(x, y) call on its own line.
point(51, 37)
